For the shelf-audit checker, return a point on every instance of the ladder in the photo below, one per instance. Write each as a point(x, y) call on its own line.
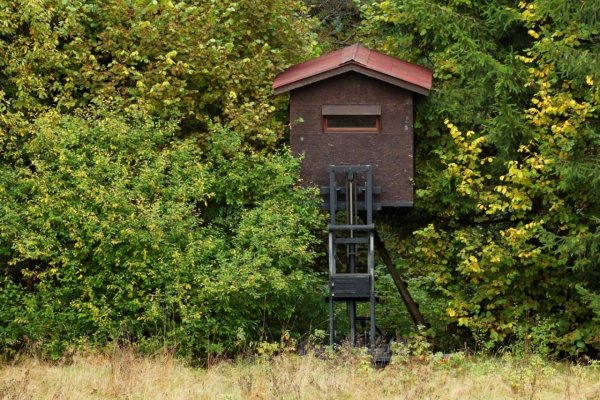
point(351, 190)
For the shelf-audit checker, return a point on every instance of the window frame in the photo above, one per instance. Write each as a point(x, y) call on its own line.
point(329, 110)
point(351, 129)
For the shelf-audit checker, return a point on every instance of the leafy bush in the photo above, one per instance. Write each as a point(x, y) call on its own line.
point(113, 229)
point(116, 226)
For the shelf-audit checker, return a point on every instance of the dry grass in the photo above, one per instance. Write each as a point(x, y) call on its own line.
point(124, 375)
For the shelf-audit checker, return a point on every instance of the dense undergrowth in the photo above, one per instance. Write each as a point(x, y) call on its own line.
point(147, 198)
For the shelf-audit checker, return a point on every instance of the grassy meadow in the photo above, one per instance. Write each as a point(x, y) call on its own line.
point(345, 375)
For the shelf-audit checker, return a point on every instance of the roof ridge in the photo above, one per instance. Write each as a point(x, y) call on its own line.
point(418, 78)
point(362, 55)
point(355, 51)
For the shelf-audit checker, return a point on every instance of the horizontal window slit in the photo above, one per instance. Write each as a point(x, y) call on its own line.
point(351, 123)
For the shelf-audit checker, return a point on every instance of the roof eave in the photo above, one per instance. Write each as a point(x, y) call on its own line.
point(347, 67)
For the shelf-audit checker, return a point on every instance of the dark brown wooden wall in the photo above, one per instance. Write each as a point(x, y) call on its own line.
point(390, 151)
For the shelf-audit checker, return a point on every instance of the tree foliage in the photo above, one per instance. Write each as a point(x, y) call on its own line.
point(170, 219)
point(143, 197)
point(195, 60)
point(506, 219)
point(339, 22)
point(119, 231)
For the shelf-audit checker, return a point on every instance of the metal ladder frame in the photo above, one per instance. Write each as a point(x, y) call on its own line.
point(351, 225)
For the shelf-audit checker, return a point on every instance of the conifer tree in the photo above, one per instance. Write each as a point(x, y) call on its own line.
point(506, 224)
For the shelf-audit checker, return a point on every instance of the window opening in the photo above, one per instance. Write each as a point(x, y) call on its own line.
point(351, 118)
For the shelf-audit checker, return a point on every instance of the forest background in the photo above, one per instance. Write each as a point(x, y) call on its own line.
point(147, 197)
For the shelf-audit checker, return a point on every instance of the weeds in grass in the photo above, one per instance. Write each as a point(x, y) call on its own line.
point(343, 374)
point(15, 388)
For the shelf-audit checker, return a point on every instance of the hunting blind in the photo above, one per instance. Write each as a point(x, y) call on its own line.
point(351, 118)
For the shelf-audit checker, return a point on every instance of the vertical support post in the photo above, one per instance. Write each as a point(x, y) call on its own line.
point(352, 312)
point(371, 266)
point(369, 195)
point(351, 249)
point(332, 195)
point(331, 273)
point(371, 254)
point(332, 268)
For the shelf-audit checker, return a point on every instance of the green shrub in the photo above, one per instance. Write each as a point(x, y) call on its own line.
point(114, 230)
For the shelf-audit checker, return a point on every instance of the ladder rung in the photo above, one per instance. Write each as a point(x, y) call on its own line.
point(324, 190)
point(362, 240)
point(356, 169)
point(341, 205)
point(358, 300)
point(351, 227)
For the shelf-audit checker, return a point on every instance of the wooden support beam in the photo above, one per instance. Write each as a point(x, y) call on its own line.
point(413, 308)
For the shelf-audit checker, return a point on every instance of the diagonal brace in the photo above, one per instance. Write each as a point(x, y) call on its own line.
point(411, 305)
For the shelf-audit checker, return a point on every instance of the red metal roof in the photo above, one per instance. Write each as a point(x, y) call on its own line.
point(359, 59)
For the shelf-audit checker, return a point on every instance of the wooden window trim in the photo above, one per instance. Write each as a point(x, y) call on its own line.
point(375, 129)
point(350, 109)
